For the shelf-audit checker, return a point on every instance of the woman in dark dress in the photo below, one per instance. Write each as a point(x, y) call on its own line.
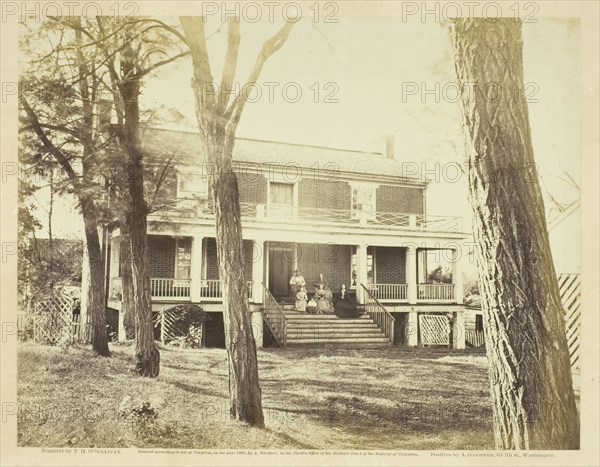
point(345, 307)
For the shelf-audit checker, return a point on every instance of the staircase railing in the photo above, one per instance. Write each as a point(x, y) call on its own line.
point(275, 317)
point(380, 316)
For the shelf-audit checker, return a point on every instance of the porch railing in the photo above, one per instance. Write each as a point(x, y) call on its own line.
point(380, 316)
point(210, 289)
point(435, 292)
point(389, 292)
point(285, 214)
point(168, 288)
point(275, 318)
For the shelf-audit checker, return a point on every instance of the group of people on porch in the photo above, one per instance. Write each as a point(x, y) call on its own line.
point(322, 299)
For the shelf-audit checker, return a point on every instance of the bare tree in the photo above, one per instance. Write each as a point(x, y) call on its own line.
point(532, 389)
point(217, 121)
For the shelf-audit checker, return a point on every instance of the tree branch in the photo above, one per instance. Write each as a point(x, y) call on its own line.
point(193, 27)
point(231, 58)
point(271, 45)
point(56, 153)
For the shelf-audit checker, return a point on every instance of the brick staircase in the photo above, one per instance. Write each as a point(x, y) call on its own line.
point(304, 329)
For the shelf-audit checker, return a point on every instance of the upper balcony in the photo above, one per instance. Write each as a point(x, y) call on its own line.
point(302, 216)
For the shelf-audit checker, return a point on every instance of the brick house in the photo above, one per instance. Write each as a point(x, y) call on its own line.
point(351, 216)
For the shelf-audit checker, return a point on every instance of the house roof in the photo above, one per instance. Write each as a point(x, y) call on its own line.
point(185, 146)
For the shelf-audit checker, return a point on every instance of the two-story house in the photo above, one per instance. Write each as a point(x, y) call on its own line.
point(349, 215)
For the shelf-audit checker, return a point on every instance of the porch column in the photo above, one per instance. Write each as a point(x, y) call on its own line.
point(458, 330)
point(457, 278)
point(257, 328)
point(411, 274)
point(258, 268)
point(196, 269)
point(412, 329)
point(361, 272)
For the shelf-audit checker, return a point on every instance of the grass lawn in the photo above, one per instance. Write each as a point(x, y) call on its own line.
point(394, 398)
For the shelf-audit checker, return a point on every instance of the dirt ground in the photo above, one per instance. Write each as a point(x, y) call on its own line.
point(396, 398)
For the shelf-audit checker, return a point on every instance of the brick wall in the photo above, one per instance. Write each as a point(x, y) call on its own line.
point(253, 188)
point(399, 199)
point(211, 262)
point(333, 261)
point(324, 194)
point(390, 265)
point(161, 256)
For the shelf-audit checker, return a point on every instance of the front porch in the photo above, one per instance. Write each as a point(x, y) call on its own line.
point(186, 269)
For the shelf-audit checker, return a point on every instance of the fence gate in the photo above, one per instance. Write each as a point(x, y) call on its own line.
point(570, 294)
point(434, 330)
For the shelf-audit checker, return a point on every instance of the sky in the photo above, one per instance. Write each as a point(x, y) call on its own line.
point(364, 77)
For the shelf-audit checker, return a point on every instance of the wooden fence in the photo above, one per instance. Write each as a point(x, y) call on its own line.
point(50, 320)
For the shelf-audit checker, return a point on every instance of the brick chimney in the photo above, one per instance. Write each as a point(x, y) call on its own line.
point(389, 146)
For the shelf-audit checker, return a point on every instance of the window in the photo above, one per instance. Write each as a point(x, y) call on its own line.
point(370, 269)
point(281, 199)
point(363, 203)
point(191, 184)
point(183, 260)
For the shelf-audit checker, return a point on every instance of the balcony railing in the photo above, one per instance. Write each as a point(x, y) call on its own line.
point(435, 292)
point(388, 292)
point(210, 290)
point(167, 288)
point(288, 214)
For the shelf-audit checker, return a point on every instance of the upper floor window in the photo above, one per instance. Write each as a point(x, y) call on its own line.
point(281, 199)
point(191, 184)
point(363, 202)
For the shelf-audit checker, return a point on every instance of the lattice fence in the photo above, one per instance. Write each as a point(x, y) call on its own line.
point(570, 294)
point(170, 329)
point(434, 329)
point(52, 321)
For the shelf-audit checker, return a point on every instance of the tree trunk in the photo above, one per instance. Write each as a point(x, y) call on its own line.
point(532, 390)
point(147, 355)
point(96, 290)
point(146, 352)
point(128, 301)
point(244, 387)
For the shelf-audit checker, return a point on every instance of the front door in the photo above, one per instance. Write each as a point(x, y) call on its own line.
point(281, 269)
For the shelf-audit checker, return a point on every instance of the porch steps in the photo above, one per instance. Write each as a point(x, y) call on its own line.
point(331, 331)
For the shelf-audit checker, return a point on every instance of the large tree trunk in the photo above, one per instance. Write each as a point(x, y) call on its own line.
point(146, 352)
point(244, 387)
point(96, 291)
point(128, 302)
point(532, 390)
point(147, 355)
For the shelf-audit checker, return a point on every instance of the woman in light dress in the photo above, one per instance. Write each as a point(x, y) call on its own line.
point(301, 298)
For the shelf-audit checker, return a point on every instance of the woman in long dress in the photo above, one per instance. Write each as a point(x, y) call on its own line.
point(323, 298)
point(301, 298)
